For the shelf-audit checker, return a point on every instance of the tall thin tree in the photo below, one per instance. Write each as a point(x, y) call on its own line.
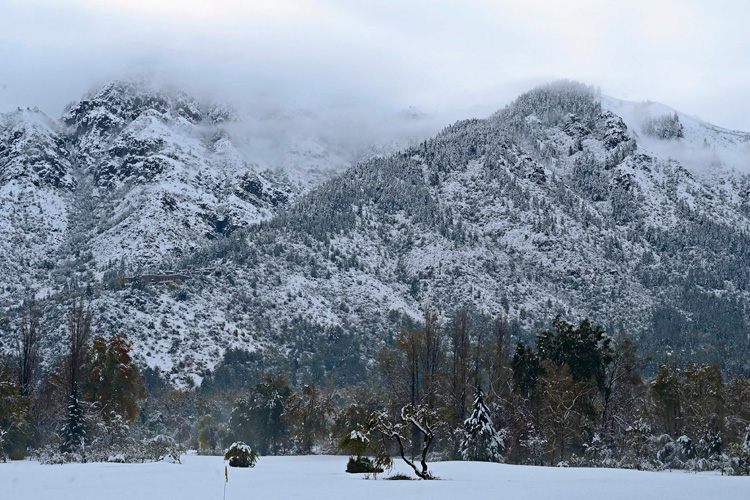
point(79, 332)
point(459, 380)
point(28, 341)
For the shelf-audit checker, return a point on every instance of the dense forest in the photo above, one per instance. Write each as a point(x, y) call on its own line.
point(451, 387)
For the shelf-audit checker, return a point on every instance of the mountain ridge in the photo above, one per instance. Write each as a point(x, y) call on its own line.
point(550, 206)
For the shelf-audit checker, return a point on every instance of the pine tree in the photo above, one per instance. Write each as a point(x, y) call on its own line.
point(74, 430)
point(481, 442)
point(743, 459)
point(16, 417)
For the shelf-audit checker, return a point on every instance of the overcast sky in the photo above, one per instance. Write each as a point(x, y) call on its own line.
point(466, 58)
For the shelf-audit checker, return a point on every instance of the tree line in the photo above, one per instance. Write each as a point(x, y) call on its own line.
point(455, 386)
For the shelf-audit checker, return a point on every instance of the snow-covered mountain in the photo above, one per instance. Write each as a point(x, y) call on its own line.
point(36, 183)
point(561, 203)
point(134, 176)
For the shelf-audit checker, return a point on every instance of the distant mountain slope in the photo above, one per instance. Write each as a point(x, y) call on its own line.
point(36, 185)
point(553, 205)
point(713, 153)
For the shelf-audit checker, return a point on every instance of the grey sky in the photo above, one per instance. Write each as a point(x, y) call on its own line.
point(454, 58)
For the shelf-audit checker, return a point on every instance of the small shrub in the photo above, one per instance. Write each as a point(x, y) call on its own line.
point(362, 464)
point(160, 448)
point(241, 455)
point(399, 477)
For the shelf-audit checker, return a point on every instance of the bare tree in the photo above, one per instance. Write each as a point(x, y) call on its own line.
point(432, 355)
point(459, 380)
point(623, 389)
point(79, 331)
point(413, 370)
point(420, 417)
point(28, 341)
point(499, 355)
point(562, 406)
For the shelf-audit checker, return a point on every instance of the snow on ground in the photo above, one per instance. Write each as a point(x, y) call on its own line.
point(313, 477)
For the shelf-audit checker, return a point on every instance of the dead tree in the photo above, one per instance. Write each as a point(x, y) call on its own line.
point(432, 355)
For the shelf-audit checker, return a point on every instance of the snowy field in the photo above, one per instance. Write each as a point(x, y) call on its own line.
point(323, 477)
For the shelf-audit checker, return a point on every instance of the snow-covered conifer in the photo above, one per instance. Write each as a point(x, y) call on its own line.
point(74, 430)
point(481, 441)
point(241, 455)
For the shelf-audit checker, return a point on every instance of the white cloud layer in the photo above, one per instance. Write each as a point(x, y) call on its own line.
point(453, 58)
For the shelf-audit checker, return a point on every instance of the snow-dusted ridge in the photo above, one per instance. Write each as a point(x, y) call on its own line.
point(706, 150)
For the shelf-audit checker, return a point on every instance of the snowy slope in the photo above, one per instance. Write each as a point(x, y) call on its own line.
point(534, 212)
point(166, 176)
point(36, 185)
point(133, 179)
point(705, 149)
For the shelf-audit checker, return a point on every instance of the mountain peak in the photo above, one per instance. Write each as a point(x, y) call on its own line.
point(119, 102)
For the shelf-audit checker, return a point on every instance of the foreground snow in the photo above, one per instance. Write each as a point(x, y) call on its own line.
point(324, 477)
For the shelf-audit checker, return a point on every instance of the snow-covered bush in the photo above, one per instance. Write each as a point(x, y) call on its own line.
point(241, 455)
point(685, 448)
point(739, 457)
point(535, 445)
point(597, 453)
point(160, 448)
point(51, 455)
point(157, 449)
point(668, 455)
point(638, 446)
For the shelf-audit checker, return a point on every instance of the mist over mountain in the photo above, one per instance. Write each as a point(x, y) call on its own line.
point(286, 234)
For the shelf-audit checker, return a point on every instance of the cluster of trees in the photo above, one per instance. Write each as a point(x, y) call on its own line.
point(458, 388)
point(664, 127)
point(80, 403)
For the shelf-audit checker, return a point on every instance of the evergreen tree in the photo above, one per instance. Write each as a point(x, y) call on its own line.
point(586, 349)
point(743, 460)
point(16, 417)
point(526, 369)
point(74, 430)
point(260, 417)
point(481, 442)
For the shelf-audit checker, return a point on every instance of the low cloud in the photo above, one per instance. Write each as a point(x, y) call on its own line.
point(451, 59)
